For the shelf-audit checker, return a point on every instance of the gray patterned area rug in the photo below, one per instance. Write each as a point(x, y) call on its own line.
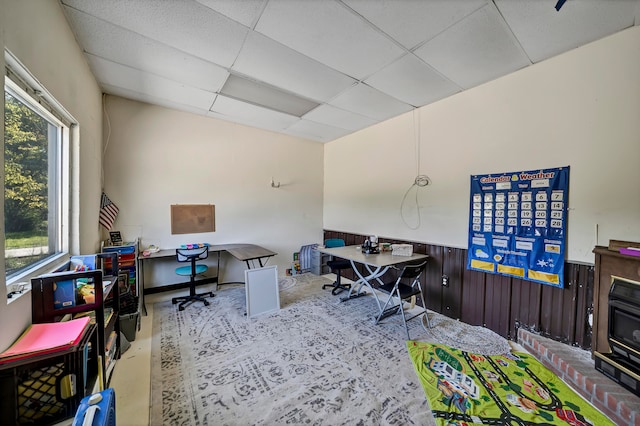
point(316, 361)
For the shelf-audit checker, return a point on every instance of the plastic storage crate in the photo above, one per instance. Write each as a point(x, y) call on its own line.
point(42, 392)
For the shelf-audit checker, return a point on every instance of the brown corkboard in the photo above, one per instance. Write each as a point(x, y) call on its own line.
point(193, 218)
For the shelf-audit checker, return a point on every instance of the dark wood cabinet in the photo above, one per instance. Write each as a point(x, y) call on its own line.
point(608, 263)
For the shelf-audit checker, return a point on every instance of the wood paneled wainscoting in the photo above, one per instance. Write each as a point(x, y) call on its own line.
point(502, 304)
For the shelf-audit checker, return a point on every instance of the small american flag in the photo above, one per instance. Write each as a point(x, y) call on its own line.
point(108, 212)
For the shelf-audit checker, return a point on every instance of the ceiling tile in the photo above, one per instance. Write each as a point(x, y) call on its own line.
point(143, 97)
point(412, 22)
point(412, 81)
point(245, 12)
point(280, 66)
point(372, 103)
point(316, 131)
point(117, 44)
point(329, 32)
point(333, 116)
point(475, 50)
point(544, 32)
point(252, 115)
point(112, 74)
point(367, 60)
point(185, 25)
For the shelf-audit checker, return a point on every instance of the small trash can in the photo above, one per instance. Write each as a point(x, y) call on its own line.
point(129, 325)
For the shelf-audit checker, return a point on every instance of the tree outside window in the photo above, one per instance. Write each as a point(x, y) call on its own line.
point(29, 139)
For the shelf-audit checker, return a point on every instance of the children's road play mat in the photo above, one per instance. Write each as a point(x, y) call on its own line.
point(510, 389)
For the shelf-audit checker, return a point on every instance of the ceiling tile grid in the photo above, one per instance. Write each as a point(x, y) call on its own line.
point(245, 12)
point(330, 33)
point(184, 24)
point(159, 87)
point(360, 61)
point(414, 22)
point(116, 44)
point(475, 50)
point(412, 81)
point(545, 32)
point(317, 131)
point(271, 62)
point(372, 103)
point(252, 115)
point(343, 119)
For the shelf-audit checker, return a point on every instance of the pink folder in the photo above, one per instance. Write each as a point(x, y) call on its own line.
point(46, 338)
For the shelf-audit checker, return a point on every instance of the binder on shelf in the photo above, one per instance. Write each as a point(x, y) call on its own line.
point(81, 263)
point(46, 338)
point(64, 294)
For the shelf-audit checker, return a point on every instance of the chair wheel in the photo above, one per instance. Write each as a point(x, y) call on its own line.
point(174, 301)
point(181, 308)
point(206, 303)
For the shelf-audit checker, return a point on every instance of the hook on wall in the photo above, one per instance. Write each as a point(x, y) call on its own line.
point(274, 184)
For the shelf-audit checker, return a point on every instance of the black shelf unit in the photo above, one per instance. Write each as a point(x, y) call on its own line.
point(106, 299)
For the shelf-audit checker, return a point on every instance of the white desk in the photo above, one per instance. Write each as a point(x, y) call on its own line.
point(375, 264)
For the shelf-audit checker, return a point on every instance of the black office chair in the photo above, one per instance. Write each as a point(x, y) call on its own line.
point(337, 265)
point(193, 270)
point(403, 291)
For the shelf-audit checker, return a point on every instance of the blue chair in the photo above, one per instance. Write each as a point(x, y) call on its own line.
point(337, 265)
point(194, 269)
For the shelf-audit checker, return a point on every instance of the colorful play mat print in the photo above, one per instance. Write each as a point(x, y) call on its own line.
point(510, 389)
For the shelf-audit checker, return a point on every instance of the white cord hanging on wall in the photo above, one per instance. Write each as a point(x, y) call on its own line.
point(420, 180)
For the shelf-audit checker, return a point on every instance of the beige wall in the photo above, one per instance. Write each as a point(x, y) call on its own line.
point(157, 157)
point(580, 109)
point(37, 33)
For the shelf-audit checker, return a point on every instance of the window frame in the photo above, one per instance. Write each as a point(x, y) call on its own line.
point(20, 84)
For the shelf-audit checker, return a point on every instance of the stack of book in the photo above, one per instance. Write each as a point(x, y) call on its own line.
point(46, 338)
point(111, 353)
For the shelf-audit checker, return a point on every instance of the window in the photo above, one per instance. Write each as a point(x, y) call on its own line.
point(35, 184)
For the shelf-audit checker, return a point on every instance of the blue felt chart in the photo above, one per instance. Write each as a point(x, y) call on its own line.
point(517, 224)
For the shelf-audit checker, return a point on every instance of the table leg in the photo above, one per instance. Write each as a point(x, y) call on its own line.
point(251, 263)
point(362, 281)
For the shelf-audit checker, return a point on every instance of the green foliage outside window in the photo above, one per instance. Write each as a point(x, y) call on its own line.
point(26, 171)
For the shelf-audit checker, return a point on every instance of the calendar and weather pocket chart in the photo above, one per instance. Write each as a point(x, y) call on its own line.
point(517, 224)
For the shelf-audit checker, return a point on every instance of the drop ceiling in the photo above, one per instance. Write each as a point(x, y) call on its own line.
point(322, 69)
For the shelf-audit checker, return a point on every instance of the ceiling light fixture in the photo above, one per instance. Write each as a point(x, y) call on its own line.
point(267, 96)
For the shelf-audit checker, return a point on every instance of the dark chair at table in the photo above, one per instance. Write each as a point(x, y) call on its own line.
point(191, 256)
point(403, 288)
point(337, 265)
